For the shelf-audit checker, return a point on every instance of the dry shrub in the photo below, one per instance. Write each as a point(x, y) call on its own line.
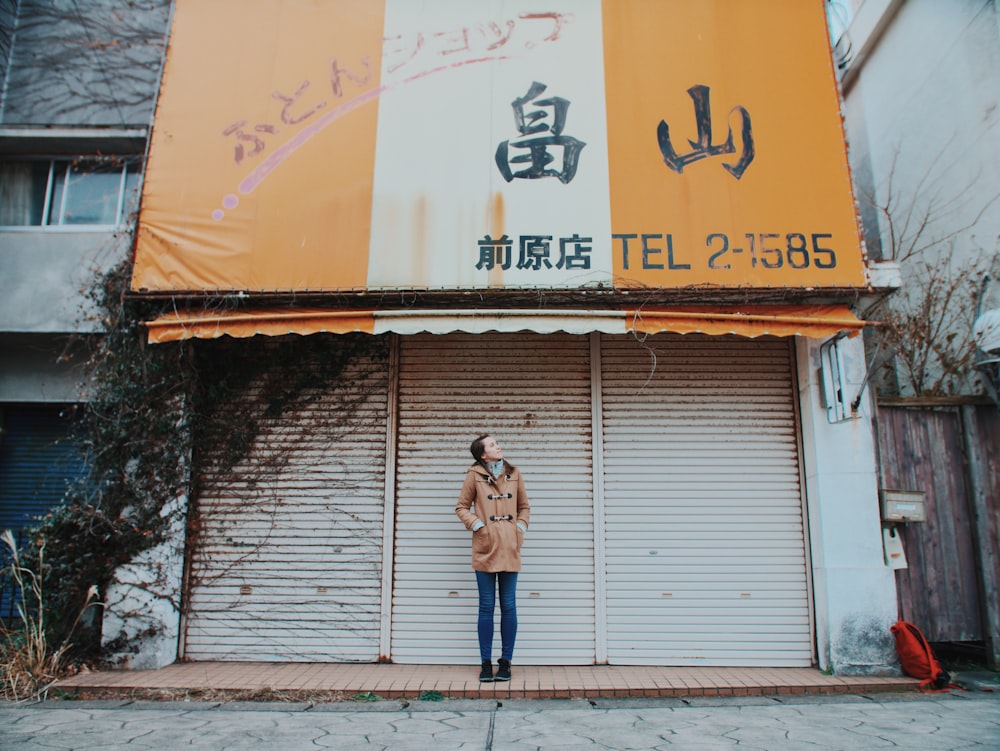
point(29, 662)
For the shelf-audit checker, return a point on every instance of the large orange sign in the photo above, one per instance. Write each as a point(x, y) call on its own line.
point(386, 144)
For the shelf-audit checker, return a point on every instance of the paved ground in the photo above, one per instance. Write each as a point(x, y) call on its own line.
point(953, 721)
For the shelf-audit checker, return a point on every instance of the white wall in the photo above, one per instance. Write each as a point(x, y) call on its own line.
point(922, 118)
point(927, 95)
point(854, 591)
point(142, 606)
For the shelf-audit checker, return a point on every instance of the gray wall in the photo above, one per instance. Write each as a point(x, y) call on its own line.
point(67, 65)
point(8, 16)
point(94, 63)
point(38, 369)
point(46, 274)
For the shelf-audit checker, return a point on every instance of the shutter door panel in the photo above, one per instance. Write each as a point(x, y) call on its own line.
point(41, 457)
point(703, 519)
point(288, 558)
point(531, 392)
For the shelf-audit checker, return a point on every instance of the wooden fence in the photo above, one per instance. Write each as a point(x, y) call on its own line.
point(951, 451)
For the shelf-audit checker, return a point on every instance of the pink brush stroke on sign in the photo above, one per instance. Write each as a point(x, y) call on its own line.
point(283, 152)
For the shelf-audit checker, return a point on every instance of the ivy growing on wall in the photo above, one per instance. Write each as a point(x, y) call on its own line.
point(135, 439)
point(159, 419)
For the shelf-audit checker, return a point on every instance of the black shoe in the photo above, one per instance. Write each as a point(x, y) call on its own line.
point(503, 672)
point(486, 672)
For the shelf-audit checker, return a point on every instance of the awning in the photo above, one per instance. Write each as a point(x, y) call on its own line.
point(815, 321)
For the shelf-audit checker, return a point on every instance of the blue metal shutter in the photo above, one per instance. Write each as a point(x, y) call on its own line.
point(39, 459)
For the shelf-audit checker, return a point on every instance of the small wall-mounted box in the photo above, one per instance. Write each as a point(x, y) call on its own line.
point(903, 505)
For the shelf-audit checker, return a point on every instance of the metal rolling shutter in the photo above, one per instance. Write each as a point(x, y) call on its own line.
point(288, 560)
point(40, 458)
point(705, 548)
point(531, 392)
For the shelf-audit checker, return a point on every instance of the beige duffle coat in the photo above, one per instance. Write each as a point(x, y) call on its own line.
point(499, 503)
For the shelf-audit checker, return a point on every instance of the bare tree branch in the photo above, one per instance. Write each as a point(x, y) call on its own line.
point(85, 63)
point(912, 221)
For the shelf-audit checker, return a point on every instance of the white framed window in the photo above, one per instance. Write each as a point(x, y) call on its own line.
point(99, 191)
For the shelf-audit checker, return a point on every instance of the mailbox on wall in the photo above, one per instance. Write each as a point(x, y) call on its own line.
point(903, 505)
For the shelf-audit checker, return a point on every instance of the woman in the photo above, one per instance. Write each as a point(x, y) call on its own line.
point(494, 506)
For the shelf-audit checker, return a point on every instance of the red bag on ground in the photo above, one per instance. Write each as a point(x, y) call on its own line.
point(917, 657)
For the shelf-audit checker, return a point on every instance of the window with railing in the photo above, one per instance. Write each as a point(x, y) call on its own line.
point(99, 191)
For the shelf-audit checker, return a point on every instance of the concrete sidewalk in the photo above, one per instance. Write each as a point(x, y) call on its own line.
point(942, 722)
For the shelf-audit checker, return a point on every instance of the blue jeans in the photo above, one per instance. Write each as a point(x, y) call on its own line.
point(507, 581)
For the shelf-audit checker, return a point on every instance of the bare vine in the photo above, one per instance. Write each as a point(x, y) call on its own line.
point(184, 420)
point(925, 331)
point(922, 220)
point(80, 62)
point(922, 343)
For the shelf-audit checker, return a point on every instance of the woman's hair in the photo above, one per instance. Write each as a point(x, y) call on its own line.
point(477, 447)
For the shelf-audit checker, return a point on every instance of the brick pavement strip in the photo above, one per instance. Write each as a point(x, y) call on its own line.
point(945, 722)
point(456, 681)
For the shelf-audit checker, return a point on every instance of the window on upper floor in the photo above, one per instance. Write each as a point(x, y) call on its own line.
point(60, 192)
